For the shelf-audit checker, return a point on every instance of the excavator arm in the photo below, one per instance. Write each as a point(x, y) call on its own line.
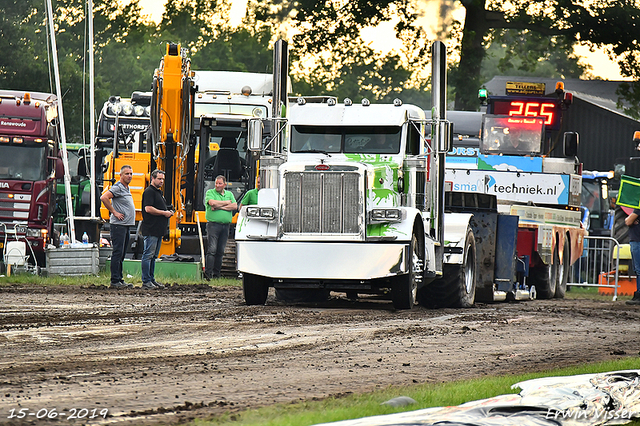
point(172, 109)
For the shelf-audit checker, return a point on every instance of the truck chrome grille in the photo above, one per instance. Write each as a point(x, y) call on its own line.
point(322, 202)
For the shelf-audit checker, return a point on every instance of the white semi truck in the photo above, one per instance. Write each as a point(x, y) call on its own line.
point(352, 200)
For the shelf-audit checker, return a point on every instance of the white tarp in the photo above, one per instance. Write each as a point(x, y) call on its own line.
point(588, 399)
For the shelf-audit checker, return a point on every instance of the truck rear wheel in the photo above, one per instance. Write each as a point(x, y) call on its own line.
point(545, 279)
point(405, 288)
point(255, 288)
point(457, 287)
point(563, 270)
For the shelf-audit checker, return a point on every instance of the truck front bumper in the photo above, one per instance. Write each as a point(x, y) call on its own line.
point(319, 260)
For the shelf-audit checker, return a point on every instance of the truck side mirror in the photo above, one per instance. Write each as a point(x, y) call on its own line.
point(449, 138)
point(570, 144)
point(255, 135)
point(59, 168)
point(445, 141)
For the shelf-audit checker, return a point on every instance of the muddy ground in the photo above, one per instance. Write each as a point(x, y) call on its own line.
point(167, 356)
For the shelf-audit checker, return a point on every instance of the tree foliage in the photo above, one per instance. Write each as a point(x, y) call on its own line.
point(128, 48)
point(328, 54)
point(333, 59)
point(609, 24)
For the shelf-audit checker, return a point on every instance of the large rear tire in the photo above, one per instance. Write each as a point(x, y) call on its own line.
point(255, 288)
point(563, 270)
point(620, 229)
point(405, 289)
point(545, 279)
point(457, 288)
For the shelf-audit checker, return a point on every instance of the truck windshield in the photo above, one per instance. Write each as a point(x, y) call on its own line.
point(23, 163)
point(512, 135)
point(352, 139)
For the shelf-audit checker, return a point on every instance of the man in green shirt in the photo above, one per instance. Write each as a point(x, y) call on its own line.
point(220, 207)
point(251, 196)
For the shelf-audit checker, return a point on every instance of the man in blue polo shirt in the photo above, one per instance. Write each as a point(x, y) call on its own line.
point(220, 207)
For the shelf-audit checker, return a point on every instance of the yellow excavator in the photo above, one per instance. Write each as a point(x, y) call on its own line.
point(191, 113)
point(172, 144)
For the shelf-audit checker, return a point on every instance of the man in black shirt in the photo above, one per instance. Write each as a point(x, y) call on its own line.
point(155, 218)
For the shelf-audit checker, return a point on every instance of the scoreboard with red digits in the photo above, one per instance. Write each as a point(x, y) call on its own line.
point(526, 106)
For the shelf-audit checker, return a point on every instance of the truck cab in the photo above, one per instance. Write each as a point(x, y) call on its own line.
point(346, 206)
point(28, 165)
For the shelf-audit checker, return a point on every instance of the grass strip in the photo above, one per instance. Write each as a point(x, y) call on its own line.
point(426, 395)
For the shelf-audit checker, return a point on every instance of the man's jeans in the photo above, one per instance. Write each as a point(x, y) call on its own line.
point(149, 255)
point(217, 235)
point(119, 243)
point(635, 258)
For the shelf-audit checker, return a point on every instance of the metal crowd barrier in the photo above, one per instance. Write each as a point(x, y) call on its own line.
point(598, 265)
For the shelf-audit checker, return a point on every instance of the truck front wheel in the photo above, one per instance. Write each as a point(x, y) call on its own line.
point(255, 288)
point(405, 289)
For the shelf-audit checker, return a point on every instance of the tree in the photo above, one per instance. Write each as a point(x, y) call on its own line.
point(25, 31)
point(525, 53)
point(331, 58)
point(602, 24)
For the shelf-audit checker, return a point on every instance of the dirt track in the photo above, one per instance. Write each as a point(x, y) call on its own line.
point(163, 357)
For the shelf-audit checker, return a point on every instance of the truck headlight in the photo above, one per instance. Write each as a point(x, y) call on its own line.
point(386, 215)
point(127, 108)
point(33, 233)
point(266, 213)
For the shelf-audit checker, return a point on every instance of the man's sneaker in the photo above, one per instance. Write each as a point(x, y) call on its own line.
point(148, 285)
point(635, 300)
point(158, 285)
point(121, 285)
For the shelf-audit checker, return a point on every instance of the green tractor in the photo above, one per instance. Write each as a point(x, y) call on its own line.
point(79, 157)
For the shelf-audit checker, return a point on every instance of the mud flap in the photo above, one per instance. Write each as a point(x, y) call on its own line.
point(506, 241)
point(484, 226)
